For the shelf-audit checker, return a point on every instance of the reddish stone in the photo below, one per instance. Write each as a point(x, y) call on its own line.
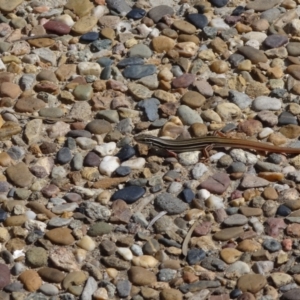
point(232, 20)
point(121, 213)
point(168, 108)
point(78, 126)
point(203, 229)
point(6, 77)
point(29, 104)
point(46, 86)
point(116, 85)
point(4, 276)
point(57, 27)
point(287, 244)
point(236, 194)
point(50, 191)
point(216, 184)
point(293, 230)
point(273, 226)
point(183, 81)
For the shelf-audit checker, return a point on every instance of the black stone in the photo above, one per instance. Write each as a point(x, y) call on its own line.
point(139, 71)
point(287, 118)
point(63, 156)
point(11, 193)
point(283, 211)
point(129, 194)
point(126, 152)
point(187, 195)
point(271, 245)
point(219, 3)
point(91, 160)
point(235, 293)
point(198, 20)
point(123, 171)
point(238, 10)
point(79, 133)
point(3, 215)
point(129, 61)
point(136, 13)
point(195, 255)
point(89, 37)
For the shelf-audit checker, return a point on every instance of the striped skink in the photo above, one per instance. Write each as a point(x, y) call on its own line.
point(209, 142)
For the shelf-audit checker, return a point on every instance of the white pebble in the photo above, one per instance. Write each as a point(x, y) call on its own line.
point(18, 253)
point(254, 36)
point(32, 225)
point(99, 11)
point(123, 26)
point(214, 202)
point(135, 163)
point(199, 170)
point(265, 132)
point(189, 158)
point(216, 157)
point(89, 68)
point(106, 148)
point(80, 255)
point(2, 65)
point(203, 194)
point(154, 33)
point(253, 43)
point(125, 253)
point(143, 30)
point(243, 156)
point(288, 169)
point(31, 215)
point(66, 19)
point(257, 225)
point(219, 24)
point(108, 165)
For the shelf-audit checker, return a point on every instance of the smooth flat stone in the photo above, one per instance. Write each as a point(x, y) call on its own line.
point(228, 233)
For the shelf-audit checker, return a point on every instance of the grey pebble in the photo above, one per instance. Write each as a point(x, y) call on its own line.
point(240, 99)
point(49, 289)
point(166, 275)
point(169, 203)
point(236, 220)
point(77, 162)
point(188, 115)
point(123, 288)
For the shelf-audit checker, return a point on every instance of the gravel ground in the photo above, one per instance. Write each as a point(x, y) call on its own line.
point(88, 213)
